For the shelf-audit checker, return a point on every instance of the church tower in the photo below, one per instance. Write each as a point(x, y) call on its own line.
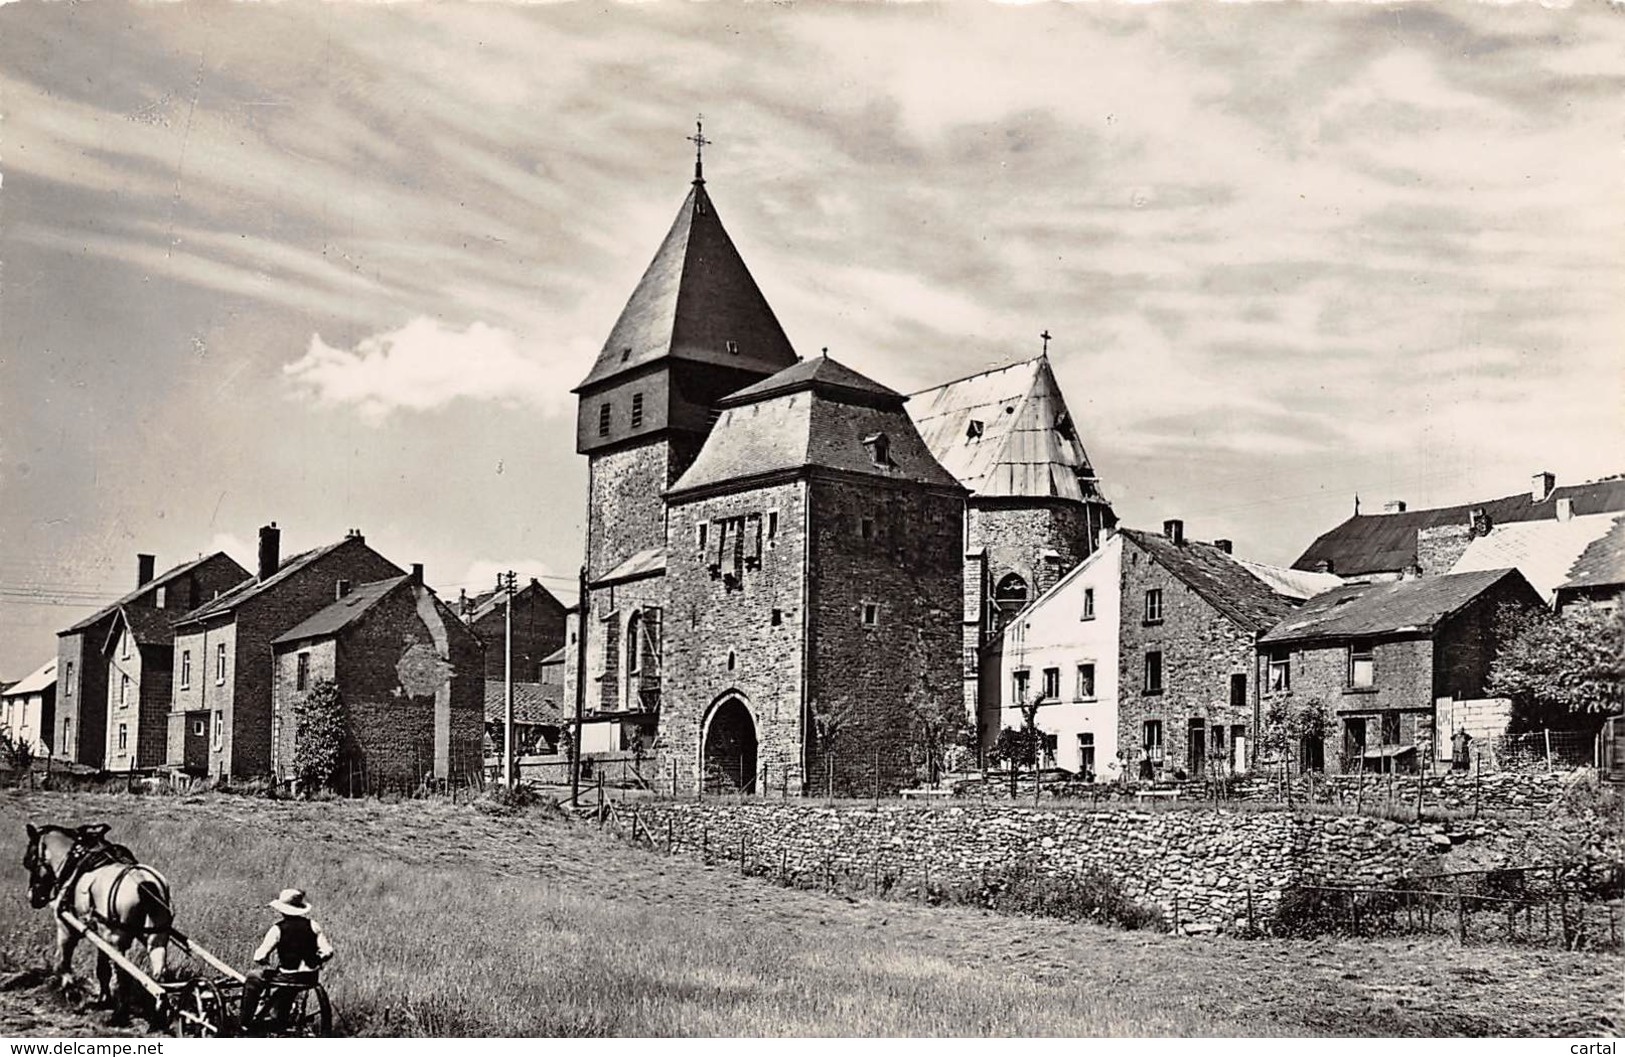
point(695, 329)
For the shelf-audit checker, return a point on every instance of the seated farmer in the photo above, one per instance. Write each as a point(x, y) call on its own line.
point(297, 941)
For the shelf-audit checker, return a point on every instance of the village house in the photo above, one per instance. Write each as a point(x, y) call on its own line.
point(1388, 545)
point(1137, 662)
point(1596, 580)
point(1546, 552)
point(28, 708)
point(83, 661)
point(220, 708)
point(139, 655)
point(698, 332)
point(410, 675)
point(538, 628)
point(1381, 660)
point(538, 719)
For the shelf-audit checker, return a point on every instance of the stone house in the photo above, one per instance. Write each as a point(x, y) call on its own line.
point(411, 676)
point(82, 660)
point(139, 657)
point(1597, 577)
point(1379, 658)
point(28, 708)
point(538, 719)
point(538, 628)
point(813, 556)
point(1140, 656)
point(220, 708)
point(1399, 540)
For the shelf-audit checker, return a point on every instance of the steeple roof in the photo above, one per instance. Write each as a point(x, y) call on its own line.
point(1007, 432)
point(695, 302)
point(820, 374)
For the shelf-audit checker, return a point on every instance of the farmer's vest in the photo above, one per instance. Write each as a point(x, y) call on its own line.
point(296, 944)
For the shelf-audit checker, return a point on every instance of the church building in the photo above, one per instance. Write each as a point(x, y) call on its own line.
point(782, 566)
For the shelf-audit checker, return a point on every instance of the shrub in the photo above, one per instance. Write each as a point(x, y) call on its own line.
point(1021, 887)
point(15, 752)
point(319, 741)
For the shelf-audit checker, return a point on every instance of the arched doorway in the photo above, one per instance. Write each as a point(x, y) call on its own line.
point(729, 751)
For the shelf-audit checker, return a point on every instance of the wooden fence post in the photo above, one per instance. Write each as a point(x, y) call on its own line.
point(1461, 919)
point(1547, 734)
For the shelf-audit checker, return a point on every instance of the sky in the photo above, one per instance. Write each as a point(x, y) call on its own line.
point(339, 265)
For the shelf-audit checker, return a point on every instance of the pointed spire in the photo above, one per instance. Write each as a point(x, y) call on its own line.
point(699, 141)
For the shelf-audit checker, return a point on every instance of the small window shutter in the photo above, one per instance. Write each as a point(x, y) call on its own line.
point(651, 640)
point(753, 527)
point(609, 679)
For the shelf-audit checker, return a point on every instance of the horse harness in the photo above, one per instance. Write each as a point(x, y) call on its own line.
point(86, 856)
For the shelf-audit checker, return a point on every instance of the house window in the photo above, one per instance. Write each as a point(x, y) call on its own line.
point(67, 745)
point(1151, 739)
point(1018, 688)
point(123, 737)
point(1153, 671)
point(1280, 671)
point(1217, 735)
point(772, 524)
point(1088, 604)
point(1052, 684)
point(1153, 605)
point(637, 410)
point(1086, 682)
point(699, 535)
point(220, 663)
point(124, 691)
point(866, 528)
point(603, 420)
point(219, 727)
point(1086, 756)
point(199, 728)
point(1238, 692)
point(124, 647)
point(1362, 667)
point(871, 614)
point(301, 674)
point(161, 599)
point(69, 682)
point(186, 669)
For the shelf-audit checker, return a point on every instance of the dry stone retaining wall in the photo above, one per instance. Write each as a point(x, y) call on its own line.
point(1198, 866)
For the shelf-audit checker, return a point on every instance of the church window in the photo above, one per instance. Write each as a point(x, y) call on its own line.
point(974, 430)
point(772, 524)
point(637, 410)
point(731, 660)
point(879, 446)
point(634, 644)
point(777, 618)
point(603, 420)
point(1010, 595)
point(866, 528)
point(699, 535)
point(871, 614)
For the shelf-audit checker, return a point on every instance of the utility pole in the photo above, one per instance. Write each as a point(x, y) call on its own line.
point(581, 685)
point(505, 583)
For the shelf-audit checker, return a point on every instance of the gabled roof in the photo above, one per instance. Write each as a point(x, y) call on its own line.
point(1395, 606)
point(805, 424)
point(1544, 551)
point(531, 704)
point(161, 580)
point(342, 612)
point(695, 298)
point(1603, 562)
point(1377, 543)
point(149, 627)
point(253, 588)
point(41, 678)
point(1291, 583)
point(556, 657)
point(1219, 578)
point(1007, 432)
point(485, 603)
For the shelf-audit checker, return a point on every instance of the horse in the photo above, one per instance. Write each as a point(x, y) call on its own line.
point(79, 871)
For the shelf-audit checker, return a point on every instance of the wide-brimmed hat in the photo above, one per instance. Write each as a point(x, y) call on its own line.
point(291, 902)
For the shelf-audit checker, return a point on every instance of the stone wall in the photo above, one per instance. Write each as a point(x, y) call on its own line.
point(625, 511)
point(1203, 865)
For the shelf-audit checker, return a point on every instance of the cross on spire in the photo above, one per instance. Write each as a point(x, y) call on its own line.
point(1045, 336)
point(699, 141)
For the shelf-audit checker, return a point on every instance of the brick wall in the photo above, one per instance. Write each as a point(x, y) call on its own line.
point(538, 630)
point(1202, 863)
point(1201, 651)
point(321, 658)
point(872, 678)
point(123, 706)
point(145, 716)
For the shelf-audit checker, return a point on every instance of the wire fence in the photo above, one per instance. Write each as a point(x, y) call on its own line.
point(1543, 750)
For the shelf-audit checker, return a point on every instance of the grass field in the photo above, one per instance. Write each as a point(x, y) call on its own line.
point(453, 922)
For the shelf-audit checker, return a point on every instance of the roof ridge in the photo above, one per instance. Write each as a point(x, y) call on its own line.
point(978, 374)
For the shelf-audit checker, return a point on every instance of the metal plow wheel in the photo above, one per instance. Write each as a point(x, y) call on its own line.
point(197, 1010)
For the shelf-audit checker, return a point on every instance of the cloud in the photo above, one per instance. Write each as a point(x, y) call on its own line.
point(426, 365)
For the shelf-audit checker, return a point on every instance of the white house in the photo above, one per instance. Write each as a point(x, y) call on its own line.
point(28, 709)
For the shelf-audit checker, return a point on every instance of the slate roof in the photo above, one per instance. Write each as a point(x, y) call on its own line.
point(1219, 578)
point(1376, 543)
point(1544, 551)
point(1292, 583)
point(342, 612)
point(820, 374)
point(156, 582)
point(695, 297)
point(647, 562)
point(806, 424)
point(485, 603)
point(150, 627)
point(531, 704)
point(1418, 605)
point(1603, 563)
point(1007, 432)
point(253, 588)
point(41, 678)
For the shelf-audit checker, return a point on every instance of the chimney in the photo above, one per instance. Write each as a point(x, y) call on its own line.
point(1174, 529)
point(270, 550)
point(143, 569)
point(417, 574)
point(1565, 508)
point(462, 602)
point(341, 588)
point(1103, 536)
point(1394, 506)
point(1541, 485)
point(1413, 571)
point(1323, 566)
point(355, 534)
point(1224, 545)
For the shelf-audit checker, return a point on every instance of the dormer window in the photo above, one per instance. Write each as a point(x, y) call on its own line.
point(879, 446)
point(626, 354)
point(974, 430)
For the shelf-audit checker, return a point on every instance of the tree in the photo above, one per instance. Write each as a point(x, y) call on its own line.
point(939, 725)
point(1017, 746)
point(319, 735)
point(1559, 668)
